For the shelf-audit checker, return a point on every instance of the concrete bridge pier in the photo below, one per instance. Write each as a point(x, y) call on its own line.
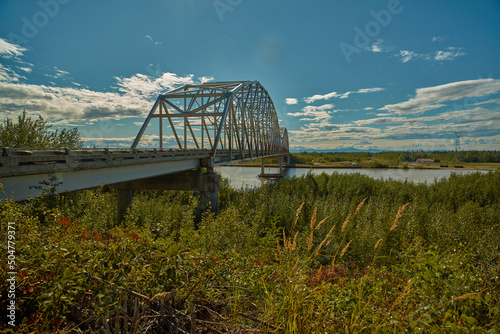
point(207, 184)
point(124, 200)
point(281, 160)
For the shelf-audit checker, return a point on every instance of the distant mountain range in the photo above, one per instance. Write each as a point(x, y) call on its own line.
point(346, 149)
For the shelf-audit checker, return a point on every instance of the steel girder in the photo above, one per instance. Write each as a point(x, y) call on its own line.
point(232, 117)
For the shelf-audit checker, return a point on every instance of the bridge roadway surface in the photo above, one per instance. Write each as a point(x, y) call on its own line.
point(26, 173)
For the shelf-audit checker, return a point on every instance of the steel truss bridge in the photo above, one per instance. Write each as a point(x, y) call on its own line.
point(200, 125)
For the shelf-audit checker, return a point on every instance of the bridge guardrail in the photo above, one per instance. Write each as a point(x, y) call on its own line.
point(20, 161)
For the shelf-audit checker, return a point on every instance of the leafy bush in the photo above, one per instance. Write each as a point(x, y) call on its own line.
point(29, 133)
point(326, 253)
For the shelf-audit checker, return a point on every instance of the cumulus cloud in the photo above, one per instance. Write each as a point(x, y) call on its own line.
point(430, 98)
point(291, 100)
point(147, 86)
point(314, 114)
point(133, 96)
point(206, 79)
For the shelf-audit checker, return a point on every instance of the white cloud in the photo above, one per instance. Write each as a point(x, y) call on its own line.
point(437, 39)
point(378, 47)
point(9, 75)
point(321, 97)
point(448, 54)
point(9, 50)
point(133, 98)
point(430, 98)
point(314, 114)
point(291, 100)
point(380, 120)
point(406, 55)
point(342, 96)
point(150, 39)
point(206, 79)
point(141, 85)
point(58, 74)
point(25, 69)
point(369, 90)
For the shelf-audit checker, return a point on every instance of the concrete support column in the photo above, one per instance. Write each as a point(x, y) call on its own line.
point(209, 185)
point(124, 199)
point(280, 163)
point(262, 166)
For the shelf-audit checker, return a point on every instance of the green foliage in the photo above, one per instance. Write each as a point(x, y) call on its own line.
point(29, 133)
point(393, 157)
point(360, 255)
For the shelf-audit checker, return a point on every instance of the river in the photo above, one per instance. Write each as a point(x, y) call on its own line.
point(248, 176)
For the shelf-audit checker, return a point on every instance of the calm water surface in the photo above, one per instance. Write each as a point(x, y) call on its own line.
point(248, 176)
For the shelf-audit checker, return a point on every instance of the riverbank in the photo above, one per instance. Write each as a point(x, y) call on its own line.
point(469, 160)
point(437, 166)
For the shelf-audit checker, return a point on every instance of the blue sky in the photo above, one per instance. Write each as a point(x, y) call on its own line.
point(389, 74)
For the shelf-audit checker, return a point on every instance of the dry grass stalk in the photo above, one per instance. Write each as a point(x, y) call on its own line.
point(297, 215)
point(329, 233)
point(327, 238)
point(360, 205)
point(278, 247)
point(345, 223)
point(398, 215)
point(296, 265)
point(405, 293)
point(320, 223)
point(313, 220)
point(376, 245)
point(294, 245)
point(465, 296)
point(345, 249)
point(310, 241)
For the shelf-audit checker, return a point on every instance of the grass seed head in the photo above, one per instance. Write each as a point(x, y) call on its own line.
point(398, 215)
point(345, 223)
point(360, 205)
point(345, 249)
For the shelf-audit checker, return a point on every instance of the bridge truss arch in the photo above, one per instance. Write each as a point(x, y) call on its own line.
point(234, 120)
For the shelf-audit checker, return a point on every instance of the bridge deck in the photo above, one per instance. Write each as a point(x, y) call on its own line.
point(14, 162)
point(25, 173)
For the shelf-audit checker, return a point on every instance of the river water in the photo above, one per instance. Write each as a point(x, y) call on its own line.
point(248, 176)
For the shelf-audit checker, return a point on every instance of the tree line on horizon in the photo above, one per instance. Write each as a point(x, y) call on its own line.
point(396, 157)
